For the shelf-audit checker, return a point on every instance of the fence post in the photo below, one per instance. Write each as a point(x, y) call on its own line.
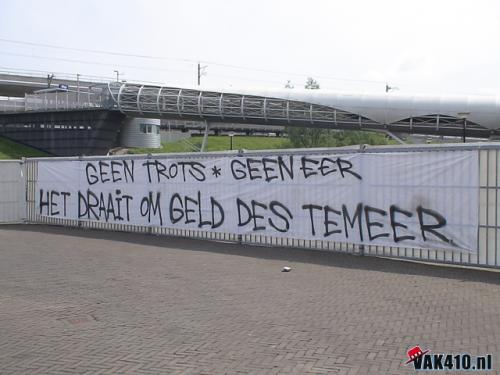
point(362, 148)
point(24, 175)
point(80, 158)
point(150, 227)
point(240, 237)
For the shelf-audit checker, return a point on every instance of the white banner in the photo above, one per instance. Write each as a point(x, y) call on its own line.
point(407, 199)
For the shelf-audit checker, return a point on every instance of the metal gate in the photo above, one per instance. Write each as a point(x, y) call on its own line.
point(12, 187)
point(488, 254)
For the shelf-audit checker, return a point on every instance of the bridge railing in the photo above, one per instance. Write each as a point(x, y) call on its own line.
point(65, 101)
point(59, 101)
point(12, 105)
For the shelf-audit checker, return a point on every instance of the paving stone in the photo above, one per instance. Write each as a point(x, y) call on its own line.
point(90, 302)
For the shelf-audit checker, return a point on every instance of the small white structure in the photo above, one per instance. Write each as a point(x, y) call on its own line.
point(140, 132)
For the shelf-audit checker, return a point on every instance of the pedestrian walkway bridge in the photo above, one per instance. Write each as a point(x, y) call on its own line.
point(473, 116)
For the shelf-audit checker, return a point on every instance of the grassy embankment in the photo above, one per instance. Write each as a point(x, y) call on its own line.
point(219, 143)
point(12, 150)
point(222, 143)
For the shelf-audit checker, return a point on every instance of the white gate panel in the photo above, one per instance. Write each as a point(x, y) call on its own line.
point(12, 191)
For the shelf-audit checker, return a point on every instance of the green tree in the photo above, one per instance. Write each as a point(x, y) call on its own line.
point(301, 137)
point(308, 137)
point(311, 84)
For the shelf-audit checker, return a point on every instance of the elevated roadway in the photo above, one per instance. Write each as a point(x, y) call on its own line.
point(17, 85)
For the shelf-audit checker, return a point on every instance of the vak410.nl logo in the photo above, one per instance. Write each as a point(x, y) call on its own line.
point(425, 361)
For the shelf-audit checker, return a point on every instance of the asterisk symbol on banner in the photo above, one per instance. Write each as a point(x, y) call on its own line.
point(216, 171)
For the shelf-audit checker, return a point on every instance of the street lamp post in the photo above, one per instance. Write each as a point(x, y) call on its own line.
point(117, 75)
point(201, 72)
point(463, 116)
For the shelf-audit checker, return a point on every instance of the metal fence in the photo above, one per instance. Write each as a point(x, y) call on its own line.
point(58, 101)
point(488, 254)
point(12, 191)
point(63, 101)
point(12, 105)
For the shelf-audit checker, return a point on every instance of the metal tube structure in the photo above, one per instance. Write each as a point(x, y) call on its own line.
point(411, 114)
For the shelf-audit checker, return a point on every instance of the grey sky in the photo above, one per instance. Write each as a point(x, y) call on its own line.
point(419, 46)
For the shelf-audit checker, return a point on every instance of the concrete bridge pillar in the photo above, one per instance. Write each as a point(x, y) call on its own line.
point(140, 132)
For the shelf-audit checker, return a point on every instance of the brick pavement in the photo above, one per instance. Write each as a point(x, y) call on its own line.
point(89, 302)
